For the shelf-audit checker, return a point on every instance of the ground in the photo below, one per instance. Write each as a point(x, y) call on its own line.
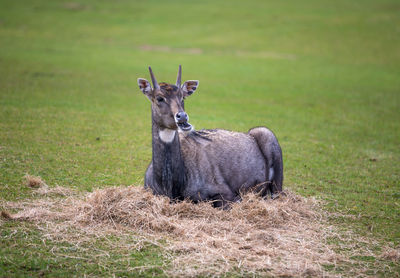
point(323, 75)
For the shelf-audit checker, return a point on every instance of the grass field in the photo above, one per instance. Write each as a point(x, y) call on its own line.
point(323, 75)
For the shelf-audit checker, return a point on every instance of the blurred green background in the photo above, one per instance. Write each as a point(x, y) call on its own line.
point(323, 75)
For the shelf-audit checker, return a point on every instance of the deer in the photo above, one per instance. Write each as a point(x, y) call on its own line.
point(214, 165)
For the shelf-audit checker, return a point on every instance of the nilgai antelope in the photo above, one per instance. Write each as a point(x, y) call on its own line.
point(201, 165)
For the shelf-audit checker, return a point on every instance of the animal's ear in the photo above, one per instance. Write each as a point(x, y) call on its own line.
point(189, 87)
point(145, 87)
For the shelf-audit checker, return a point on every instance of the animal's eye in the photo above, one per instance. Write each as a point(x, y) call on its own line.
point(160, 99)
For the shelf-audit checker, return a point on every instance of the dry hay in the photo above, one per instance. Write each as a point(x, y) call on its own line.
point(280, 236)
point(287, 236)
point(391, 254)
point(34, 181)
point(43, 189)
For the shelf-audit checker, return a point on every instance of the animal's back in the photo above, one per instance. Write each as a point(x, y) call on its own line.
point(221, 161)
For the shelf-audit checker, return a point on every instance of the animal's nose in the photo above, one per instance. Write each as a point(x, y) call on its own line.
point(181, 117)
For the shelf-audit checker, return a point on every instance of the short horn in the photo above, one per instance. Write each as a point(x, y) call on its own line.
point(178, 79)
point(153, 79)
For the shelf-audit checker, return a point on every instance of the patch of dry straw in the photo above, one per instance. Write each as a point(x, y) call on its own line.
point(287, 236)
point(280, 236)
point(34, 181)
point(43, 189)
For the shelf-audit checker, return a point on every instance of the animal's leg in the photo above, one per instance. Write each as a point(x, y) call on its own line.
point(272, 152)
point(222, 196)
point(262, 188)
point(148, 177)
point(150, 183)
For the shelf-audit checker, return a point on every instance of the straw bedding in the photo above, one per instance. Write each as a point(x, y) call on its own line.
point(286, 236)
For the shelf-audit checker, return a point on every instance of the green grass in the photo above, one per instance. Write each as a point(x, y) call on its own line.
point(323, 75)
point(27, 253)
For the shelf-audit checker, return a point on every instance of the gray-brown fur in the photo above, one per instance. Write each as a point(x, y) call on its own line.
point(206, 164)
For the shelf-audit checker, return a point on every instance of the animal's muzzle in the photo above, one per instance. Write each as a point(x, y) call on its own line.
point(181, 119)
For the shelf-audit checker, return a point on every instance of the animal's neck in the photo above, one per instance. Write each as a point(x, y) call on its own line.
point(168, 166)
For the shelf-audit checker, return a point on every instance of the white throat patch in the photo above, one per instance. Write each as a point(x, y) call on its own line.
point(167, 135)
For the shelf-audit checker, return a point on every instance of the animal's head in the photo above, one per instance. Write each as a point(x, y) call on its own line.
point(167, 101)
